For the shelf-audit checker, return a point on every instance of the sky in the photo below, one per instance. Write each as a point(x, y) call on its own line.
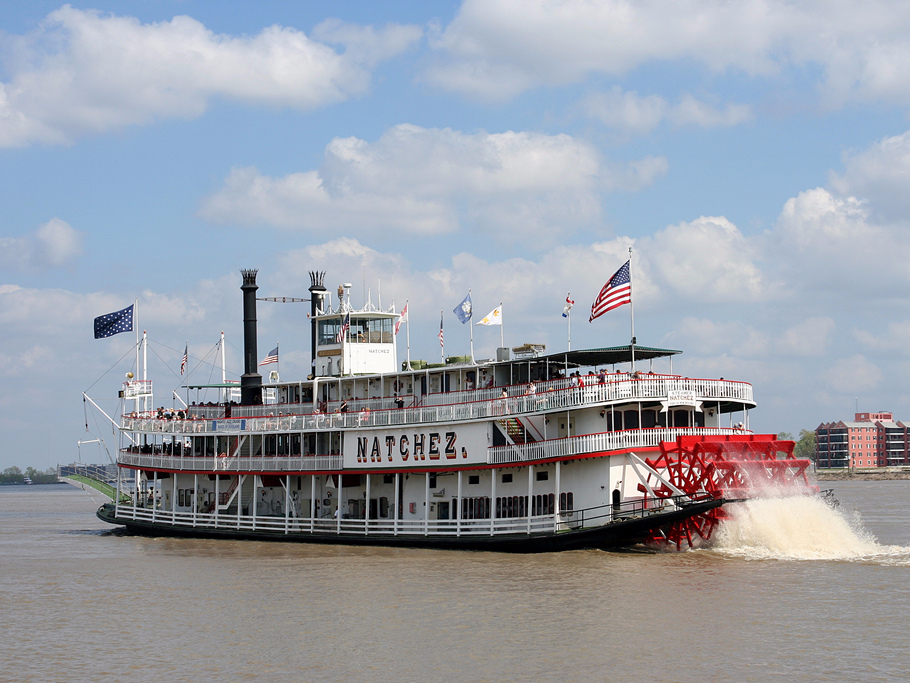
point(754, 155)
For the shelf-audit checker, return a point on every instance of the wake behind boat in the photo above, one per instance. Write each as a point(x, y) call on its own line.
point(529, 452)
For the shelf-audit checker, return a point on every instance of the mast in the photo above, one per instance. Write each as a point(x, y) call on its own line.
point(145, 370)
point(471, 325)
point(631, 310)
point(224, 389)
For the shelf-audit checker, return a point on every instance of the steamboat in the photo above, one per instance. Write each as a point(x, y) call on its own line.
point(527, 452)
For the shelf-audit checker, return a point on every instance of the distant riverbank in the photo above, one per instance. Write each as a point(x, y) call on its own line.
point(883, 474)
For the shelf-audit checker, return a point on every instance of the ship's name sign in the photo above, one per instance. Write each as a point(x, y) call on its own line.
point(680, 397)
point(417, 447)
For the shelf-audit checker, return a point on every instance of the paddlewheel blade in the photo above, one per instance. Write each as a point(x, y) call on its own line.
point(732, 467)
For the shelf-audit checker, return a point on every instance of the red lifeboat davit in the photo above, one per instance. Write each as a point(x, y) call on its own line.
point(732, 467)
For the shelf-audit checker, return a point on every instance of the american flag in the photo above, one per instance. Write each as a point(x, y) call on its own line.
point(568, 306)
point(271, 358)
point(615, 293)
point(441, 338)
point(185, 356)
point(114, 323)
point(343, 331)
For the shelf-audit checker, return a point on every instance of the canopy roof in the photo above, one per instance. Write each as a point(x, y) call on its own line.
point(596, 357)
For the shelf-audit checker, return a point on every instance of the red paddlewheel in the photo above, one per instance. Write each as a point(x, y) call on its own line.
point(688, 533)
point(724, 466)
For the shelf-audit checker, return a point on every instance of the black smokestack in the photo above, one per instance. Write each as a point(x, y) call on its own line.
point(317, 307)
point(251, 380)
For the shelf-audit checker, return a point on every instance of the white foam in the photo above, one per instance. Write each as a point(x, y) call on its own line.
point(799, 528)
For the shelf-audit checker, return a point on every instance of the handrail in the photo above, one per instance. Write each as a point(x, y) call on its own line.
point(496, 455)
point(488, 404)
point(257, 463)
point(531, 525)
point(595, 443)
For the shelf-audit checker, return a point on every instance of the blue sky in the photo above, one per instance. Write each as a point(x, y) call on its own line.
point(755, 155)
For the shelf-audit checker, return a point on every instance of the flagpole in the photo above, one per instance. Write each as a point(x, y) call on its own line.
point(136, 330)
point(442, 341)
point(631, 310)
point(224, 390)
point(471, 325)
point(502, 337)
point(408, 323)
point(569, 326)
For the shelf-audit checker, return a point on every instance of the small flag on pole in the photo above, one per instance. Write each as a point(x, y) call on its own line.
point(271, 358)
point(568, 306)
point(403, 318)
point(464, 310)
point(615, 293)
point(114, 323)
point(441, 338)
point(185, 358)
point(494, 317)
point(343, 330)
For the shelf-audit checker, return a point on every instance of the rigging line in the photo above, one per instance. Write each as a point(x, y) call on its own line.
point(169, 348)
point(116, 362)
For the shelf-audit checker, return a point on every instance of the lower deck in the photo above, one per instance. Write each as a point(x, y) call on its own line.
point(479, 504)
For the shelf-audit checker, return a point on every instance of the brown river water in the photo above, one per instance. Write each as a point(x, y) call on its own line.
point(793, 590)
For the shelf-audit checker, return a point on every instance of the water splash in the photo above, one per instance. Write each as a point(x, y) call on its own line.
point(799, 528)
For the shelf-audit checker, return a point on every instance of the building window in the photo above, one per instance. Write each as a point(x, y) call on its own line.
point(543, 476)
point(507, 479)
point(473, 479)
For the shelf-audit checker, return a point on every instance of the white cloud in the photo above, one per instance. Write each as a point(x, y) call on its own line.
point(431, 181)
point(630, 114)
point(853, 375)
point(895, 337)
point(708, 260)
point(54, 244)
point(82, 72)
point(713, 337)
point(833, 244)
point(495, 49)
point(808, 338)
point(881, 175)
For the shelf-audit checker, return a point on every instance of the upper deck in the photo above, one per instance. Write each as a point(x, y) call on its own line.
point(453, 406)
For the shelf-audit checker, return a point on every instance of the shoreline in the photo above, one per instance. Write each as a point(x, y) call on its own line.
point(861, 475)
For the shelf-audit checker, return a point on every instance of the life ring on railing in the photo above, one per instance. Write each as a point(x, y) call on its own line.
point(397, 385)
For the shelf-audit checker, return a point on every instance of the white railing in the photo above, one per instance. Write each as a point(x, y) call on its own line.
point(595, 443)
point(350, 527)
point(305, 463)
point(465, 405)
point(535, 524)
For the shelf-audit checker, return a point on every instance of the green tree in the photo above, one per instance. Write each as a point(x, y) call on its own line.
point(805, 447)
point(12, 475)
point(805, 444)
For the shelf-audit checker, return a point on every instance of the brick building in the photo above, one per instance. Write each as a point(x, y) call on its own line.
point(870, 440)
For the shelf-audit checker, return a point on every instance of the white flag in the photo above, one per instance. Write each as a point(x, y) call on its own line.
point(403, 318)
point(494, 317)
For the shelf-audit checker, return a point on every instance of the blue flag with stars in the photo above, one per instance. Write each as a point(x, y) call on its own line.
point(114, 323)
